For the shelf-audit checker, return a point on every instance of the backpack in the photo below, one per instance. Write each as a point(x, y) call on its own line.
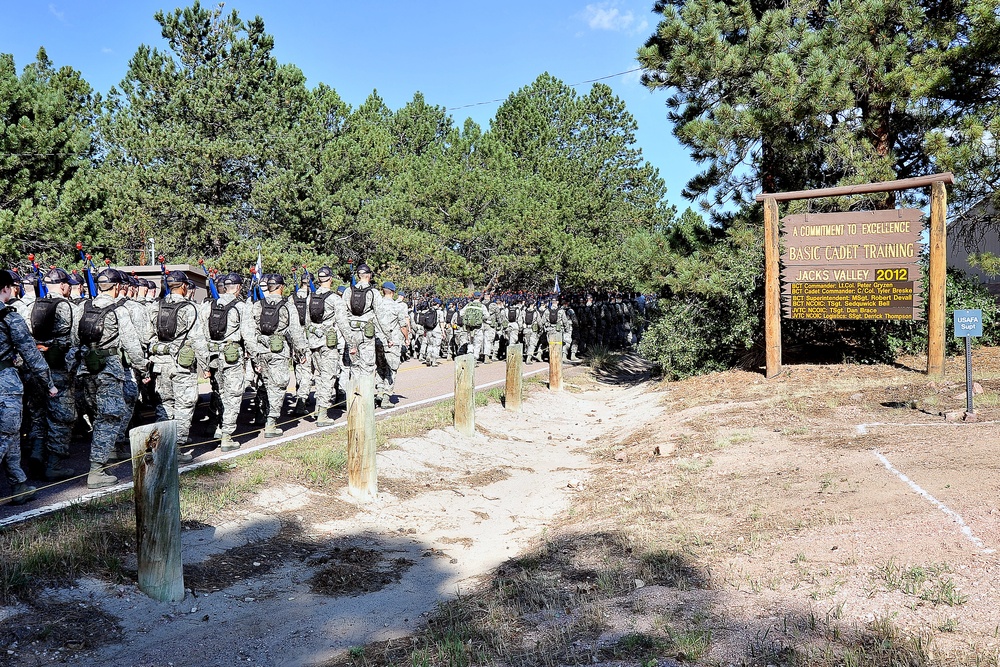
point(317, 307)
point(218, 319)
point(430, 319)
point(43, 318)
point(529, 317)
point(553, 316)
point(166, 320)
point(474, 318)
point(270, 316)
point(91, 327)
point(359, 300)
point(512, 314)
point(300, 306)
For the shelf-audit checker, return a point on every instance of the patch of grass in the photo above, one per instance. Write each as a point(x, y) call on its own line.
point(601, 358)
point(924, 582)
point(988, 399)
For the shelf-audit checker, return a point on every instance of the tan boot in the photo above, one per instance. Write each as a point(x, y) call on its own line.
point(227, 444)
point(97, 478)
point(271, 429)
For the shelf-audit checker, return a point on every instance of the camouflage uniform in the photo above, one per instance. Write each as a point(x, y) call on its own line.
point(513, 316)
point(556, 322)
point(15, 339)
point(431, 350)
point(303, 371)
point(175, 357)
point(491, 326)
point(226, 347)
point(364, 317)
point(532, 327)
point(103, 375)
point(395, 317)
point(326, 318)
point(271, 353)
point(60, 346)
point(475, 333)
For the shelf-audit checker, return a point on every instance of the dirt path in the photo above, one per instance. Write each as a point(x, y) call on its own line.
point(303, 576)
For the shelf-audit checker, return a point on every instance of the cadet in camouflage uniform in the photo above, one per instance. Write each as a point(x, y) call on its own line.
point(364, 316)
point(557, 323)
point(513, 315)
point(396, 318)
point(227, 325)
point(105, 331)
point(531, 323)
point(303, 372)
point(474, 316)
point(52, 322)
point(177, 348)
point(15, 339)
point(448, 331)
point(430, 352)
point(326, 321)
point(277, 337)
point(491, 325)
point(139, 313)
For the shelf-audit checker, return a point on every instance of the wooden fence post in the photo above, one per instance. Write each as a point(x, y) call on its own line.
point(515, 378)
point(157, 511)
point(772, 290)
point(936, 274)
point(555, 361)
point(465, 396)
point(362, 474)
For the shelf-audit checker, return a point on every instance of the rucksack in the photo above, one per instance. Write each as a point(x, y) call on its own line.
point(359, 300)
point(529, 317)
point(43, 318)
point(430, 319)
point(553, 316)
point(512, 314)
point(218, 319)
point(91, 328)
point(474, 318)
point(270, 315)
point(317, 307)
point(166, 320)
point(300, 306)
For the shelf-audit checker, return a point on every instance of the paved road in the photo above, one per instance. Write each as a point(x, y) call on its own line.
point(416, 385)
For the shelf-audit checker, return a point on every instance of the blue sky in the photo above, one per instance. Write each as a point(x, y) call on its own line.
point(456, 53)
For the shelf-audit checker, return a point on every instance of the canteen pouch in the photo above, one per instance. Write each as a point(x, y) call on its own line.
point(95, 361)
point(534, 327)
point(331, 338)
point(276, 344)
point(369, 329)
point(55, 356)
point(186, 357)
point(231, 353)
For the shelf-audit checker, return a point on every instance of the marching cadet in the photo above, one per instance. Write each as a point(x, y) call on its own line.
point(532, 330)
point(325, 333)
point(277, 337)
point(16, 340)
point(396, 318)
point(513, 315)
point(52, 319)
point(491, 327)
point(557, 324)
point(227, 326)
point(474, 315)
point(105, 331)
point(176, 350)
point(303, 372)
point(364, 305)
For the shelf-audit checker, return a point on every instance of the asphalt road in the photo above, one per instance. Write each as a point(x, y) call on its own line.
point(416, 385)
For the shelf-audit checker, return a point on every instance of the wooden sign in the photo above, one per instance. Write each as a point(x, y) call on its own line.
point(852, 266)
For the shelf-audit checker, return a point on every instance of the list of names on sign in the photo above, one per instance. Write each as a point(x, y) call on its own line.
point(852, 266)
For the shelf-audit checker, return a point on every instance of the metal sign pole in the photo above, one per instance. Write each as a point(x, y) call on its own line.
point(968, 375)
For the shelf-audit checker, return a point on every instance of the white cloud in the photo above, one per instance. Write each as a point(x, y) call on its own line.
point(60, 16)
point(105, 49)
point(610, 15)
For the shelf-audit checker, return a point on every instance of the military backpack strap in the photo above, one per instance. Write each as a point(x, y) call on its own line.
point(317, 307)
point(270, 316)
point(300, 305)
point(359, 300)
point(218, 319)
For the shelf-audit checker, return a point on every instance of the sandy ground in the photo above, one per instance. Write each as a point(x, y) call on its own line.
point(460, 508)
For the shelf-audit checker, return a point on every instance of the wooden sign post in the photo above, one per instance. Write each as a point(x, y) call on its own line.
point(465, 396)
point(861, 269)
point(362, 475)
point(555, 362)
point(157, 511)
point(515, 378)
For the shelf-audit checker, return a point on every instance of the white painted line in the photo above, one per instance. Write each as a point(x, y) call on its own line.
point(100, 493)
point(934, 501)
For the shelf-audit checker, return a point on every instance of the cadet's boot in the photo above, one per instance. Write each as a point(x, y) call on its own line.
point(55, 470)
point(323, 419)
point(97, 478)
point(300, 409)
point(218, 433)
point(184, 455)
point(271, 428)
point(22, 493)
point(227, 444)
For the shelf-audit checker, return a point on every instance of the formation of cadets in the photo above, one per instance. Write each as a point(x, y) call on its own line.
point(70, 364)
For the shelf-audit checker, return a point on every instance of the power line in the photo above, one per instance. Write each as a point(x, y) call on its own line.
point(578, 83)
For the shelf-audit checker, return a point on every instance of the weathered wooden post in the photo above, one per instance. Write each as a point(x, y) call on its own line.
point(515, 378)
point(555, 361)
point(157, 511)
point(465, 395)
point(772, 290)
point(362, 475)
point(936, 278)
